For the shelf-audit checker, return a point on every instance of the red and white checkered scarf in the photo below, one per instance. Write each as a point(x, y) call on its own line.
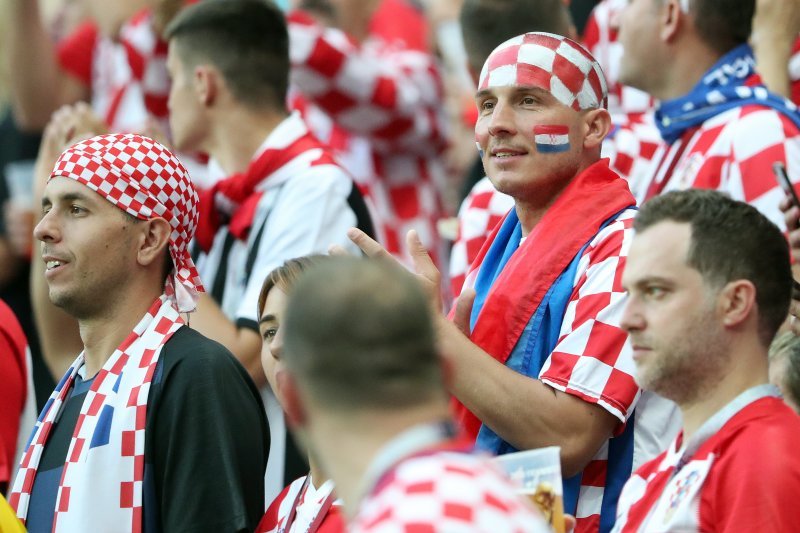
point(101, 484)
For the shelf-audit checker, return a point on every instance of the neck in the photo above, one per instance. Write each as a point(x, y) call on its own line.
point(748, 367)
point(351, 442)
point(237, 134)
point(318, 477)
point(686, 71)
point(102, 334)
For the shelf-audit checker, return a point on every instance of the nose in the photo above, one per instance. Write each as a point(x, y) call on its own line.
point(47, 229)
point(276, 345)
point(502, 120)
point(632, 319)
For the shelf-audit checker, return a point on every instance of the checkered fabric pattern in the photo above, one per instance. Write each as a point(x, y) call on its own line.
point(101, 484)
point(142, 177)
point(446, 491)
point(379, 105)
point(632, 145)
point(128, 77)
point(552, 62)
point(794, 71)
point(482, 209)
point(725, 155)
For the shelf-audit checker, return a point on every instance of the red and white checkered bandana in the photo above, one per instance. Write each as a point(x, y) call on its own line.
point(143, 178)
point(551, 62)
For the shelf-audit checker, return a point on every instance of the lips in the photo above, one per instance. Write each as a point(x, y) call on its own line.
point(504, 152)
point(53, 264)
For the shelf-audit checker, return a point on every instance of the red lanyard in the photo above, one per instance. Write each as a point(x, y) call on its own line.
point(321, 514)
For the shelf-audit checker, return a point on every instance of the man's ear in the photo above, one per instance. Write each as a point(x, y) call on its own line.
point(737, 302)
point(153, 241)
point(206, 84)
point(597, 125)
point(672, 19)
point(292, 399)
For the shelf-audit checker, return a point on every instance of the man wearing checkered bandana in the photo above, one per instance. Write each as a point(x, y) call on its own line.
point(539, 357)
point(153, 427)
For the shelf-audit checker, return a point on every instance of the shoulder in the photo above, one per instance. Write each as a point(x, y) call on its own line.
point(738, 124)
point(613, 240)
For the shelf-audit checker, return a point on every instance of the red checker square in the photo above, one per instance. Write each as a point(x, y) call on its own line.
point(501, 58)
point(706, 138)
point(147, 357)
point(137, 518)
point(128, 443)
point(419, 527)
point(76, 450)
point(126, 494)
point(138, 467)
point(141, 416)
point(561, 366)
point(97, 403)
point(394, 129)
point(458, 511)
point(595, 83)
point(618, 275)
point(336, 101)
point(405, 201)
point(543, 40)
point(492, 501)
point(757, 176)
point(63, 501)
point(133, 397)
point(425, 487)
point(325, 59)
point(481, 200)
point(385, 93)
point(623, 163)
point(385, 515)
point(589, 306)
point(569, 74)
point(454, 469)
point(711, 170)
point(605, 342)
point(533, 76)
point(120, 364)
point(647, 149)
point(620, 390)
point(474, 247)
point(163, 325)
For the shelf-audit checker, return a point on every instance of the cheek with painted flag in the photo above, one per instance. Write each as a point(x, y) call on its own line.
point(551, 139)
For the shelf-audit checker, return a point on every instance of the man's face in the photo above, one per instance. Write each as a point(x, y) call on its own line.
point(672, 316)
point(272, 337)
point(530, 142)
point(639, 36)
point(187, 121)
point(88, 245)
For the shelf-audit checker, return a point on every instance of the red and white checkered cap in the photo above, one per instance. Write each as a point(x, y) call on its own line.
point(143, 178)
point(551, 62)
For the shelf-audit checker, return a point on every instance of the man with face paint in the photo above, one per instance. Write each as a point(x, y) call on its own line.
point(154, 427)
point(543, 360)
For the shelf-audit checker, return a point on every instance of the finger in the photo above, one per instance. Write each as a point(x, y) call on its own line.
point(463, 310)
point(367, 244)
point(569, 523)
point(338, 250)
point(794, 241)
point(791, 215)
point(423, 264)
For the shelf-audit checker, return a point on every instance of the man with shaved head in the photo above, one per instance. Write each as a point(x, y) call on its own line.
point(542, 359)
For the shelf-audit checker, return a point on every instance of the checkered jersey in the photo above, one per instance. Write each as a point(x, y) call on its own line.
point(725, 154)
point(379, 105)
point(446, 492)
point(794, 72)
point(632, 145)
point(745, 477)
point(308, 504)
point(480, 212)
point(101, 483)
point(128, 77)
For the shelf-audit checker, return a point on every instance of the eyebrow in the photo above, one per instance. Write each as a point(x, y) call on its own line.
point(66, 197)
point(267, 318)
point(517, 89)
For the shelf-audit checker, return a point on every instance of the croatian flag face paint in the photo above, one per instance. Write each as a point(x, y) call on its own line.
point(551, 139)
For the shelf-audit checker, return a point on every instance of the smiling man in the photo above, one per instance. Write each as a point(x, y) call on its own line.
point(546, 362)
point(709, 284)
point(154, 427)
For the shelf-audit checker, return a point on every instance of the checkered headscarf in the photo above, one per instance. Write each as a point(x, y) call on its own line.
point(142, 177)
point(551, 62)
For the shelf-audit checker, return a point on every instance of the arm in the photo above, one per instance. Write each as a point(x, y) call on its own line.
point(39, 86)
point(527, 412)
point(394, 98)
point(776, 25)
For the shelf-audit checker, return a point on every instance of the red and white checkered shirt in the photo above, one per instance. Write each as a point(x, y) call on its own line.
point(128, 78)
point(448, 492)
point(744, 477)
point(731, 152)
point(794, 72)
point(379, 105)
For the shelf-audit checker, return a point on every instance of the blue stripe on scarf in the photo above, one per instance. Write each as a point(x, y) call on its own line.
point(722, 88)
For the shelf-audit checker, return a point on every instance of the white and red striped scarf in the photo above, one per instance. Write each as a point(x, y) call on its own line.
point(233, 200)
point(101, 484)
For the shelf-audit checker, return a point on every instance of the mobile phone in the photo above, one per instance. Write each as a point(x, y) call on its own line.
point(783, 178)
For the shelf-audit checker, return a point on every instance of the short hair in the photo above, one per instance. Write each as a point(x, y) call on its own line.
point(246, 40)
point(358, 335)
point(730, 240)
point(285, 276)
point(723, 24)
point(487, 23)
point(787, 346)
